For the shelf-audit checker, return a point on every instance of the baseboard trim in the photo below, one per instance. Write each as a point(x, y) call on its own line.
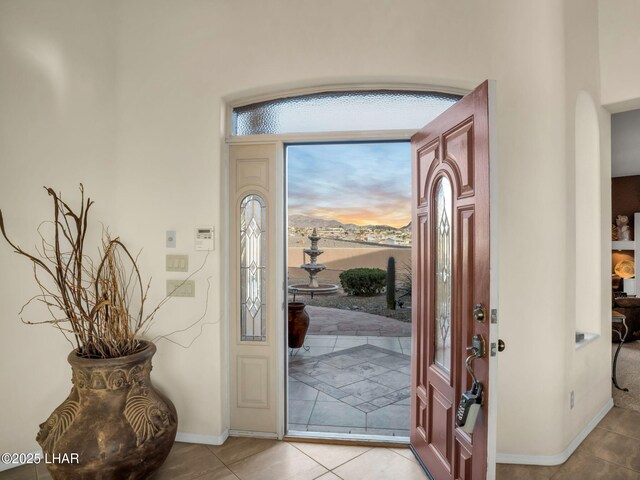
point(245, 433)
point(563, 456)
point(202, 439)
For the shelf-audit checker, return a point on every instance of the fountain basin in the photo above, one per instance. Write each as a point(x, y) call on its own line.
point(318, 267)
point(305, 289)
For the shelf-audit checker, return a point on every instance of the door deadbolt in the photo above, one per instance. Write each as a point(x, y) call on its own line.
point(479, 313)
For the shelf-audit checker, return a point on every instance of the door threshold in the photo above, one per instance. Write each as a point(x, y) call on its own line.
point(350, 439)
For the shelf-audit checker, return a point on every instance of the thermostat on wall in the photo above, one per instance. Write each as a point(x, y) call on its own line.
point(205, 237)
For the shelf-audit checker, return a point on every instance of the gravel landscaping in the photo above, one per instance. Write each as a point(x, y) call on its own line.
point(376, 305)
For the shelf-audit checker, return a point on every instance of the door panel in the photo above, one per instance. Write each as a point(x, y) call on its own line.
point(255, 301)
point(459, 156)
point(451, 275)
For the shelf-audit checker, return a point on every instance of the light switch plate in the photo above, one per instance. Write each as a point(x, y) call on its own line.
point(181, 288)
point(177, 263)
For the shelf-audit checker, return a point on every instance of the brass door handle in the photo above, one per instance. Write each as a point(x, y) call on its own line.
point(477, 349)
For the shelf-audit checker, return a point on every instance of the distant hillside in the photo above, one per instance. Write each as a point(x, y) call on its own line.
point(383, 227)
point(304, 221)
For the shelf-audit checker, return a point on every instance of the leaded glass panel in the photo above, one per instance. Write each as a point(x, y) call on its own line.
point(253, 325)
point(442, 334)
point(341, 111)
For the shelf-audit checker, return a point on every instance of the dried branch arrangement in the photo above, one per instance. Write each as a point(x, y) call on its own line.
point(98, 306)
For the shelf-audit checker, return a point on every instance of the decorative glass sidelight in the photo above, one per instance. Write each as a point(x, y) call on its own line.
point(253, 325)
point(443, 235)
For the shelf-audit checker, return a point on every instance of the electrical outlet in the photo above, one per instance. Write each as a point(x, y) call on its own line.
point(181, 288)
point(572, 400)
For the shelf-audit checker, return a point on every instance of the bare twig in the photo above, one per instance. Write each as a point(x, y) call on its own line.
point(92, 304)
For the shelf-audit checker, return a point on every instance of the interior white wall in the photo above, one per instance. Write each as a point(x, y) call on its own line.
point(529, 70)
point(619, 46)
point(175, 65)
point(57, 91)
point(625, 143)
point(588, 277)
point(587, 370)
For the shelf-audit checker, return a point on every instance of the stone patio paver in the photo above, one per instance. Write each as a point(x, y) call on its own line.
point(334, 321)
point(352, 384)
point(337, 414)
point(356, 364)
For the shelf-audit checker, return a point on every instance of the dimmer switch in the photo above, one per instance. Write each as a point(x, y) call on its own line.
point(177, 263)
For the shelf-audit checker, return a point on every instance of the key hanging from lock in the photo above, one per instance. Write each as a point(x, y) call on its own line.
point(469, 408)
point(471, 400)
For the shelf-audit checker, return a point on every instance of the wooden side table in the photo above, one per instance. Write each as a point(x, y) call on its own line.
point(617, 317)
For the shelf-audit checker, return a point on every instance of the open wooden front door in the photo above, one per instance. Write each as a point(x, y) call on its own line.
point(450, 267)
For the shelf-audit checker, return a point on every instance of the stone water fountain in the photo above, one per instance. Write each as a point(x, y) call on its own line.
point(313, 268)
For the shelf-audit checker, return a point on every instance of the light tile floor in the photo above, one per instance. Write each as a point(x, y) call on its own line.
point(256, 459)
point(610, 452)
point(351, 384)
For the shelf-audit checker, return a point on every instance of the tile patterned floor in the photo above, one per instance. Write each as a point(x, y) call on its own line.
point(610, 452)
point(362, 389)
point(256, 459)
point(321, 344)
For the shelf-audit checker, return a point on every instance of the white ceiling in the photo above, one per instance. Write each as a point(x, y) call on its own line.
point(625, 143)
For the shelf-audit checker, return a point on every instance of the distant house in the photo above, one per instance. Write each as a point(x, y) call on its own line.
point(393, 241)
point(331, 231)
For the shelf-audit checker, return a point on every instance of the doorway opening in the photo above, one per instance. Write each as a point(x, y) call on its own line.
point(349, 266)
point(261, 132)
point(625, 258)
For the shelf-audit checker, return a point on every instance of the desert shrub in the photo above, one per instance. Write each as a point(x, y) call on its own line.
point(363, 281)
point(405, 280)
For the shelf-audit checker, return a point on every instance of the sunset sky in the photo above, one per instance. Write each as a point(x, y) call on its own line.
point(368, 183)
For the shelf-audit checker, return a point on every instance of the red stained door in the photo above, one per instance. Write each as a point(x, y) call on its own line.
point(450, 268)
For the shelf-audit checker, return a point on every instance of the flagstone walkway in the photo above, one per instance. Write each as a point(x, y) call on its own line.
point(334, 321)
point(361, 389)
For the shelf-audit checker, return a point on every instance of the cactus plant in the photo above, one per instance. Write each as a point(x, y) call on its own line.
point(391, 283)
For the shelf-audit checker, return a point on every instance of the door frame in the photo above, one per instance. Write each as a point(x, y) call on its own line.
point(237, 100)
point(492, 414)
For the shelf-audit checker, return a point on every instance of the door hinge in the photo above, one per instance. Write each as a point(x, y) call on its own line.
point(494, 315)
point(493, 349)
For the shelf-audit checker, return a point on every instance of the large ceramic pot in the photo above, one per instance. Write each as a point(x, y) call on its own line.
point(113, 426)
point(298, 320)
